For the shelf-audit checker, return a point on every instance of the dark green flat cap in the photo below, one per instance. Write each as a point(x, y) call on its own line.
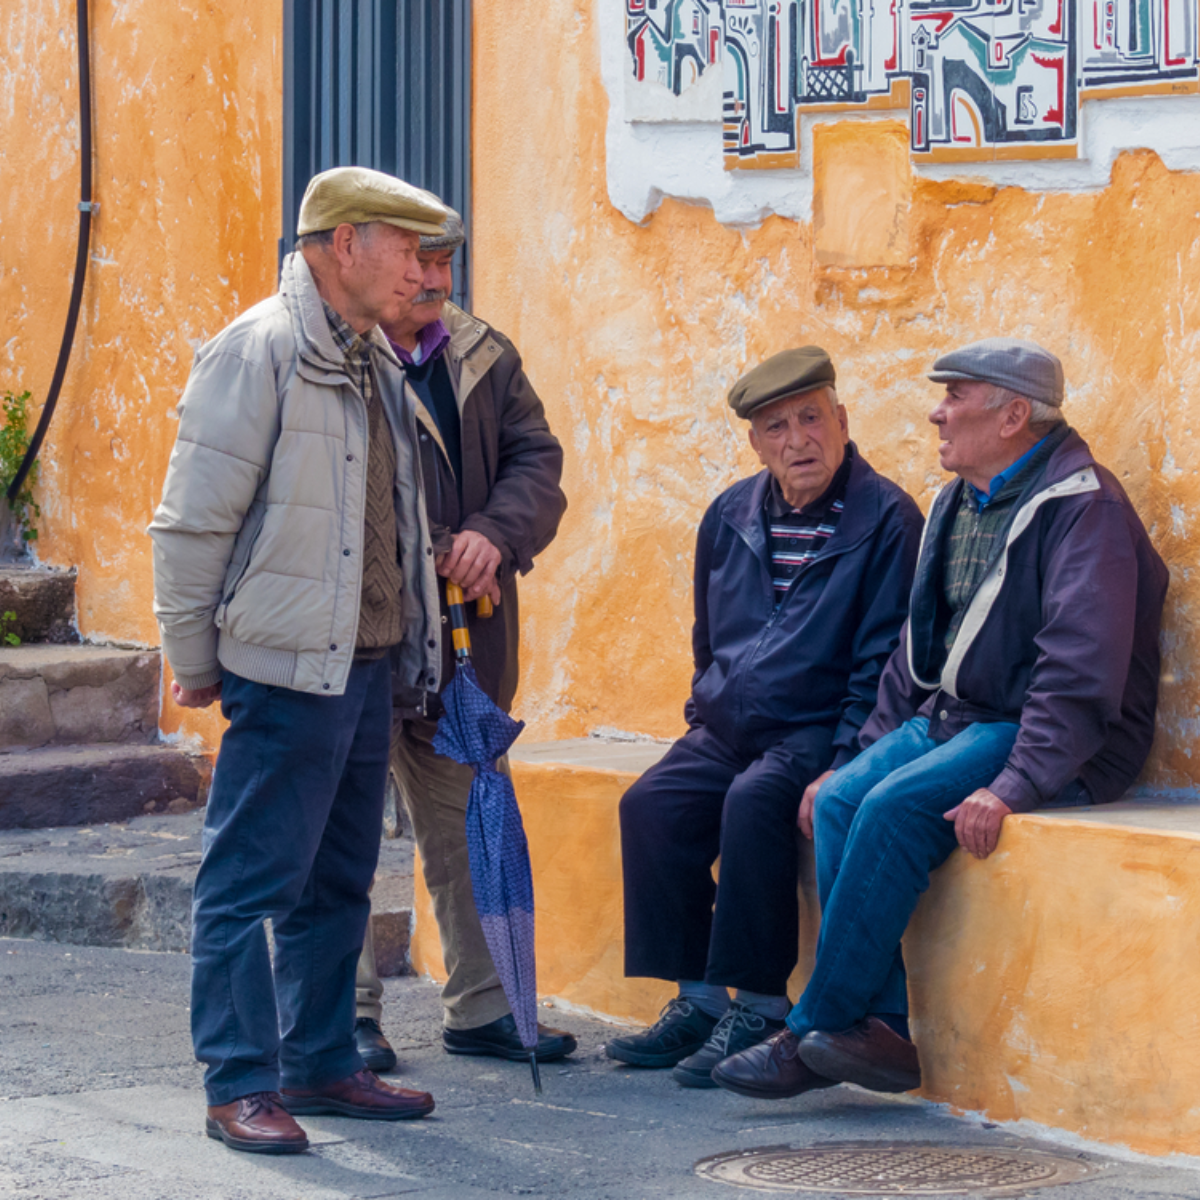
point(788, 373)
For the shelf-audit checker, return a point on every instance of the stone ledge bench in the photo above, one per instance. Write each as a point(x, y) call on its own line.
point(1057, 981)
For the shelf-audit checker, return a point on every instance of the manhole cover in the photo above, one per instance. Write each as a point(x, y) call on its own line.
point(857, 1169)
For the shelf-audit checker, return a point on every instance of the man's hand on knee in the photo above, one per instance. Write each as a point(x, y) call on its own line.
point(808, 803)
point(977, 821)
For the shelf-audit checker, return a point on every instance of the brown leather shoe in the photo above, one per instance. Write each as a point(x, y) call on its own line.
point(362, 1094)
point(772, 1070)
point(257, 1124)
point(871, 1054)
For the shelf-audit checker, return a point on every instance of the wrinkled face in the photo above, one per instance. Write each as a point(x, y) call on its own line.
point(801, 440)
point(383, 275)
point(969, 430)
point(437, 280)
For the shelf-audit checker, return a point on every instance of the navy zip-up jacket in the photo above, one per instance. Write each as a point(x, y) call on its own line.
point(763, 672)
point(1060, 636)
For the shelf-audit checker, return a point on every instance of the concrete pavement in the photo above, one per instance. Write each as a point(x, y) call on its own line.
point(100, 1098)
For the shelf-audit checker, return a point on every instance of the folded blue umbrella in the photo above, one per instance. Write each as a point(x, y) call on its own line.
point(476, 732)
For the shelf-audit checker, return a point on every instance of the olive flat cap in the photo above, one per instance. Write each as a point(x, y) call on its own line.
point(787, 373)
point(357, 195)
point(451, 237)
point(1022, 367)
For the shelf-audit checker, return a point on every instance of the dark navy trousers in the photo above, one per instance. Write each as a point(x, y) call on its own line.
point(702, 800)
point(291, 833)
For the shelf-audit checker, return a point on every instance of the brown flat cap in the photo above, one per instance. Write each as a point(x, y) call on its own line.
point(358, 195)
point(788, 373)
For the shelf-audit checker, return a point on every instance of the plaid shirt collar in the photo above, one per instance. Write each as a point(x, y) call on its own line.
point(351, 344)
point(355, 347)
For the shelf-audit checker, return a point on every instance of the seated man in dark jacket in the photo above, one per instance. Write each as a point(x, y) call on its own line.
point(801, 586)
point(1027, 676)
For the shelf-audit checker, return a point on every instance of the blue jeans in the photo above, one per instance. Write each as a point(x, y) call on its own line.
point(880, 831)
point(291, 832)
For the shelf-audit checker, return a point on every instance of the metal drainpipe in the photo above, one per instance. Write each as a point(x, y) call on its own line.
point(86, 208)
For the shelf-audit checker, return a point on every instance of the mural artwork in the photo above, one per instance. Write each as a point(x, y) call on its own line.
point(980, 78)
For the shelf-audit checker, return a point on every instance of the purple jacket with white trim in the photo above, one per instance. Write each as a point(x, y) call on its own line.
point(1060, 636)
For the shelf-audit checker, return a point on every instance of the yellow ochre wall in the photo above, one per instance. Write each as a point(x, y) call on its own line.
point(633, 334)
point(187, 104)
point(630, 333)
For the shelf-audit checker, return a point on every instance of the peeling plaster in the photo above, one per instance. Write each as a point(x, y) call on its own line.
point(649, 160)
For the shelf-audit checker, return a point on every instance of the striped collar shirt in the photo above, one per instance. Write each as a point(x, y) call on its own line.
point(798, 535)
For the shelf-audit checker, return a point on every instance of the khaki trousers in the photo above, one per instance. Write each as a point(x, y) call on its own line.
point(434, 790)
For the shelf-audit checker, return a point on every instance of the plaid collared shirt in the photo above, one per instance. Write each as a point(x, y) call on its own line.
point(358, 353)
point(978, 534)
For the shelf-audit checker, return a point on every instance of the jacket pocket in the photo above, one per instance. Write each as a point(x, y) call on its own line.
point(238, 570)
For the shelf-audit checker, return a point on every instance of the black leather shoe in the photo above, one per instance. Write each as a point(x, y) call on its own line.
point(737, 1030)
point(501, 1040)
point(375, 1050)
point(680, 1030)
point(772, 1070)
point(871, 1054)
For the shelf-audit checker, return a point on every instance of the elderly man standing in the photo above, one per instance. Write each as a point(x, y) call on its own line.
point(294, 577)
point(1028, 676)
point(491, 468)
point(801, 581)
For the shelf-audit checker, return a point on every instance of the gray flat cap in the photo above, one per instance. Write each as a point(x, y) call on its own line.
point(452, 236)
point(1020, 366)
point(787, 373)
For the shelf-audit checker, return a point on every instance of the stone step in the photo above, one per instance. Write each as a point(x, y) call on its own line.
point(52, 695)
point(130, 885)
point(42, 601)
point(80, 785)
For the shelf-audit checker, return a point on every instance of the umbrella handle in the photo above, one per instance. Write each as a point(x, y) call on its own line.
point(458, 622)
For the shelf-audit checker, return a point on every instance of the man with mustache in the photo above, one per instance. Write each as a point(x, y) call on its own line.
point(491, 469)
point(801, 578)
point(1027, 676)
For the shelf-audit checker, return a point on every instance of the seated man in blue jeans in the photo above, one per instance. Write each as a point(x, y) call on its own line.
point(1027, 675)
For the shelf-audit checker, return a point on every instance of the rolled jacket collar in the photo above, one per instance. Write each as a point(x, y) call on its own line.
point(314, 338)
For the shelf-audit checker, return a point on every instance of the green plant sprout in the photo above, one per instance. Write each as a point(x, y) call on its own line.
point(14, 441)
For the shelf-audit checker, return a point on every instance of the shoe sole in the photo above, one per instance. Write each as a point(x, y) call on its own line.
point(755, 1093)
point(338, 1108)
point(379, 1063)
point(521, 1055)
point(637, 1058)
point(693, 1079)
point(214, 1131)
point(846, 1070)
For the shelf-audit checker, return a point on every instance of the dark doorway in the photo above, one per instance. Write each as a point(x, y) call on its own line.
point(383, 84)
